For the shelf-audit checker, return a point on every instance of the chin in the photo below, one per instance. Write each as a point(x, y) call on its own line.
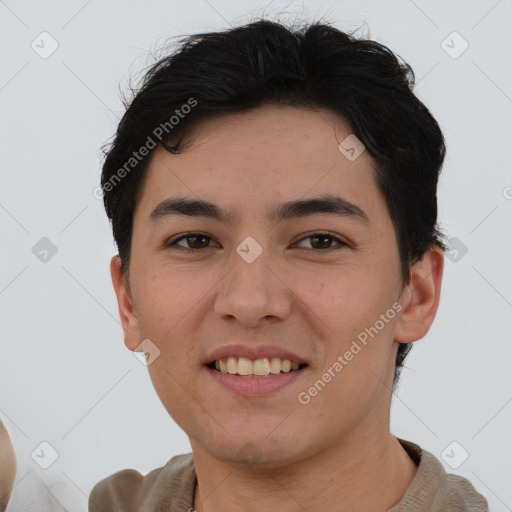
point(257, 452)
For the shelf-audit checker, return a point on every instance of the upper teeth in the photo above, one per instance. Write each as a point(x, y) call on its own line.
point(264, 366)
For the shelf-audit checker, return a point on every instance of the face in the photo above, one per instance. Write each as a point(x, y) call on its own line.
point(301, 286)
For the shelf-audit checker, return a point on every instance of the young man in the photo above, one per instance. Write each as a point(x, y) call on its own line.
point(273, 198)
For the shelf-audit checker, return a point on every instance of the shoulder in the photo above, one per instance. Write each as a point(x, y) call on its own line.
point(8, 465)
point(435, 490)
point(129, 491)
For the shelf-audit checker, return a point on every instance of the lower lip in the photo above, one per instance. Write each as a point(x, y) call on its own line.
point(253, 385)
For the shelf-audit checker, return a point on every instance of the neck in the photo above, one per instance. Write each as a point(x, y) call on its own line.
point(359, 474)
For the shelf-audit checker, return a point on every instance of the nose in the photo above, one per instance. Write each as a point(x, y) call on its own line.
point(253, 293)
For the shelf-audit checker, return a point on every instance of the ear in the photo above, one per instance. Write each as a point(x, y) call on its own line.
point(420, 298)
point(132, 337)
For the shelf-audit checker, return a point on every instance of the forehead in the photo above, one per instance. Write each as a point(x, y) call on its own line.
point(264, 155)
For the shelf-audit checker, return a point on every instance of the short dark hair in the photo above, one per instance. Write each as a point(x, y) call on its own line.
point(312, 66)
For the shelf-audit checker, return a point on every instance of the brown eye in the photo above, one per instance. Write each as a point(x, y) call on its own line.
point(323, 241)
point(195, 241)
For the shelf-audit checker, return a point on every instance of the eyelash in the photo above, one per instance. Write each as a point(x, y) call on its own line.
point(171, 243)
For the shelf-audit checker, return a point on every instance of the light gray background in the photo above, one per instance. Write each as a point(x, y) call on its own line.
point(65, 375)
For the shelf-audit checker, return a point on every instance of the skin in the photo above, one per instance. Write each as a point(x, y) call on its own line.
point(295, 295)
point(8, 466)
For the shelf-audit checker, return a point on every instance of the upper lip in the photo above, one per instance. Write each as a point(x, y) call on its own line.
point(252, 352)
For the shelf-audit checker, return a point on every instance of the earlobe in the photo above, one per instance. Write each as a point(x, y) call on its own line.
point(420, 298)
point(125, 304)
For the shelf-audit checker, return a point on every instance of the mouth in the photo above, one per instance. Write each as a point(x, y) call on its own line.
point(262, 367)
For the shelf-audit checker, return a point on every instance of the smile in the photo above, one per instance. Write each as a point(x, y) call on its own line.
point(261, 367)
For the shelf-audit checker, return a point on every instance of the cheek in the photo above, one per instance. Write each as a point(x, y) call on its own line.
point(346, 298)
point(175, 392)
point(165, 299)
point(345, 310)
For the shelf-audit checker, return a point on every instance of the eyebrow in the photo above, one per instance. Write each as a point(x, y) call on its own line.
point(282, 211)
